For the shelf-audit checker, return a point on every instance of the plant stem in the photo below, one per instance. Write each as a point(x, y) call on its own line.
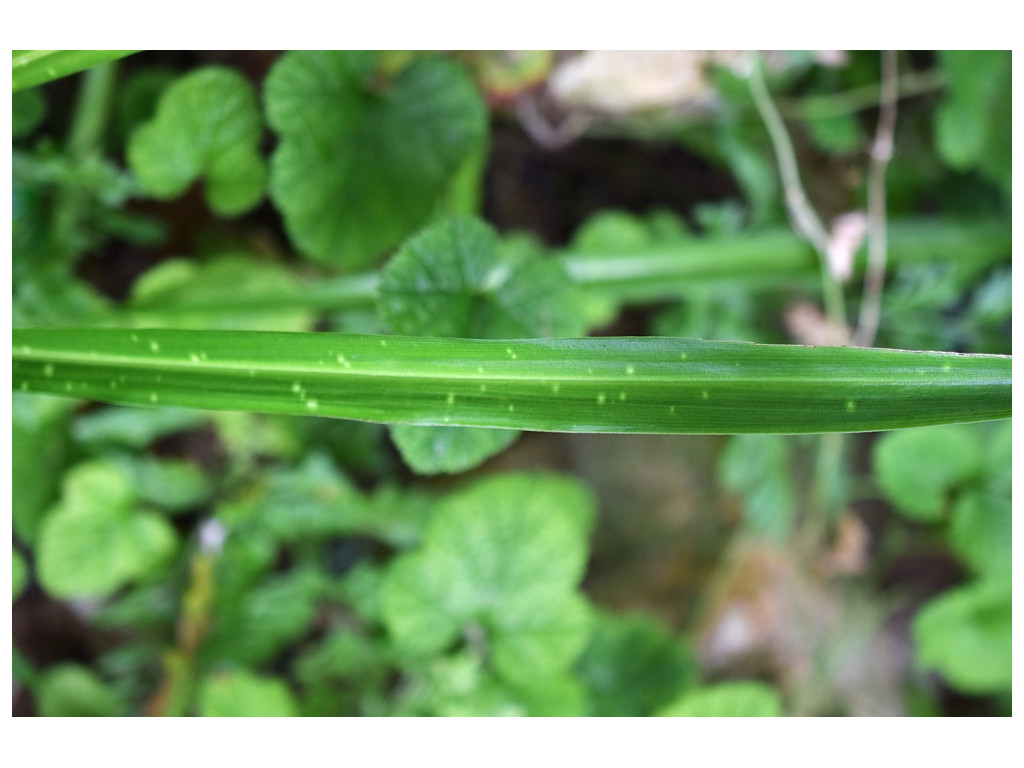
point(802, 215)
point(881, 153)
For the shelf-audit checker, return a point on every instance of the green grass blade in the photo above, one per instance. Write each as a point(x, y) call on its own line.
point(32, 68)
point(765, 259)
point(571, 385)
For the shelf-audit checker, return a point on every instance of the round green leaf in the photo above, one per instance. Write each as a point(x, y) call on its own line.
point(966, 634)
point(243, 694)
point(733, 699)
point(505, 556)
point(455, 279)
point(207, 124)
point(918, 468)
point(360, 166)
point(94, 541)
point(980, 532)
point(70, 690)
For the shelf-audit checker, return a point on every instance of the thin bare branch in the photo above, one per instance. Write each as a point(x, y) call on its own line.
point(881, 154)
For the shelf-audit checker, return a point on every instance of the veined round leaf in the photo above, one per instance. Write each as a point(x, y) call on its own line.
point(359, 167)
point(455, 279)
point(734, 699)
point(504, 555)
point(966, 634)
point(436, 450)
point(70, 690)
point(918, 468)
point(94, 541)
point(240, 693)
point(207, 125)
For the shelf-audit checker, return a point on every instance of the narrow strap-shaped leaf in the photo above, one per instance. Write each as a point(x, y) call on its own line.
point(571, 385)
point(32, 68)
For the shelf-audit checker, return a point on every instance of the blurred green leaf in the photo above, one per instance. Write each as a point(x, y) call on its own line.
point(837, 134)
point(240, 693)
point(918, 468)
point(360, 164)
point(39, 435)
point(966, 635)
point(973, 125)
point(757, 468)
point(19, 574)
point(980, 532)
point(312, 501)
point(207, 125)
point(132, 427)
point(27, 110)
point(71, 690)
point(223, 292)
point(95, 540)
point(254, 624)
point(173, 485)
point(632, 666)
point(436, 450)
point(732, 699)
point(504, 557)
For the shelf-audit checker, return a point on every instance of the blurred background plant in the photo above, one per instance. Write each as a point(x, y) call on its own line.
point(170, 562)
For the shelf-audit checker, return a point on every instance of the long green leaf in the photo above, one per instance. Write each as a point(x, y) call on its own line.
point(571, 385)
point(32, 68)
point(661, 273)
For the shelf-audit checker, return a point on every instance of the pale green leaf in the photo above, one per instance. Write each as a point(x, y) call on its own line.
point(39, 437)
point(207, 125)
point(757, 468)
point(918, 469)
point(980, 532)
point(218, 293)
point(240, 693)
point(171, 484)
point(19, 574)
point(71, 690)
point(94, 541)
point(966, 635)
point(132, 427)
point(436, 450)
point(360, 165)
point(503, 556)
point(732, 699)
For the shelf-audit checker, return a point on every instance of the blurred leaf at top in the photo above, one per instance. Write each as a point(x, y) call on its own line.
point(361, 161)
point(207, 125)
point(973, 126)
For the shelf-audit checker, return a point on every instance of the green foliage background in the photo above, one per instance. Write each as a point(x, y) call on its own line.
point(240, 564)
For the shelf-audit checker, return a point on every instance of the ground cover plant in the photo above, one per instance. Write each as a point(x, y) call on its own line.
point(315, 354)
